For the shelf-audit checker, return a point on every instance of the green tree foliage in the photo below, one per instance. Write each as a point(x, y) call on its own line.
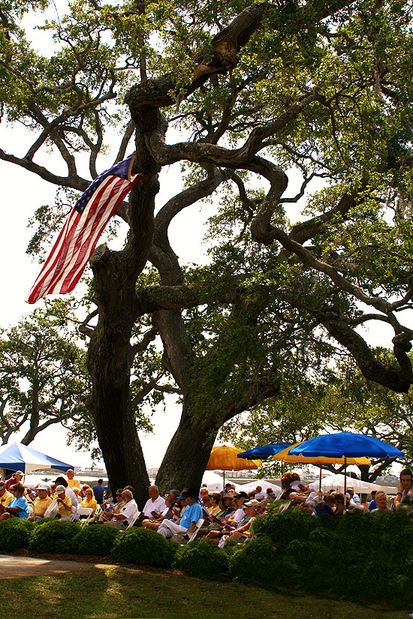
point(43, 372)
point(296, 117)
point(337, 401)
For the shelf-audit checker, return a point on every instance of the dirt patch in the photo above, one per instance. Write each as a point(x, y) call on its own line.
point(24, 563)
point(20, 567)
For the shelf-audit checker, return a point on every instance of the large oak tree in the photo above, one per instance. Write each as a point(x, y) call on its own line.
point(260, 93)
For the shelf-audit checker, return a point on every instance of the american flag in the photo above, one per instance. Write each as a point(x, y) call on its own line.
point(80, 234)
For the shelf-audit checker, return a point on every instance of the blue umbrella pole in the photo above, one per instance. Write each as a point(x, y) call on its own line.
point(345, 483)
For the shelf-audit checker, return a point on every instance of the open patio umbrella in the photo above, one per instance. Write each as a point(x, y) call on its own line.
point(286, 456)
point(346, 445)
point(265, 451)
point(224, 458)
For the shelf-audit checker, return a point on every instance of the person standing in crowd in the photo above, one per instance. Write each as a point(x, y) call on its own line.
point(372, 504)
point(72, 482)
point(15, 479)
point(99, 491)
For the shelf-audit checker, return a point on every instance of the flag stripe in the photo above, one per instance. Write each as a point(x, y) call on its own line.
point(81, 232)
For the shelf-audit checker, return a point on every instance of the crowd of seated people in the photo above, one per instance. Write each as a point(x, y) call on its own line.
point(226, 516)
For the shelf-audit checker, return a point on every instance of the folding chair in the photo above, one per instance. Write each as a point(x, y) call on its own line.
point(132, 520)
point(193, 534)
point(86, 512)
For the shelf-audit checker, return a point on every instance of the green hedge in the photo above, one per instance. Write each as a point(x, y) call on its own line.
point(144, 547)
point(54, 536)
point(95, 540)
point(357, 556)
point(14, 534)
point(203, 559)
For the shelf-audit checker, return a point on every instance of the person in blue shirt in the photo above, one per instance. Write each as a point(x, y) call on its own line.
point(372, 504)
point(99, 491)
point(188, 520)
point(18, 508)
point(323, 507)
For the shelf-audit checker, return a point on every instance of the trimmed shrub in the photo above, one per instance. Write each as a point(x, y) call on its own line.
point(14, 534)
point(312, 564)
point(95, 540)
point(54, 536)
point(144, 547)
point(255, 562)
point(285, 526)
point(203, 559)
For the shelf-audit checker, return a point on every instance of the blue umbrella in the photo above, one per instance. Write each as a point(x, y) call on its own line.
point(264, 451)
point(347, 445)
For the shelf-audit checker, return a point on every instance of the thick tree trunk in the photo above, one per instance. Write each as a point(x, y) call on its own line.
point(119, 441)
point(109, 354)
point(187, 455)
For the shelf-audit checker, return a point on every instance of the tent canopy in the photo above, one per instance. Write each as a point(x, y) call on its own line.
point(18, 457)
point(336, 482)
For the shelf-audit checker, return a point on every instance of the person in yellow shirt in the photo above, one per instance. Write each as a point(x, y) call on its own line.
point(90, 501)
point(64, 503)
point(71, 481)
point(40, 503)
point(6, 497)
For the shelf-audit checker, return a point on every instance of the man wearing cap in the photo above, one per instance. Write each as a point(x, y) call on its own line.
point(243, 531)
point(17, 478)
point(354, 498)
point(60, 481)
point(40, 503)
point(322, 508)
point(6, 497)
point(187, 522)
point(64, 503)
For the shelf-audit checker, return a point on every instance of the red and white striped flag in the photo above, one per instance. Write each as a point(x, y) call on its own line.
point(80, 234)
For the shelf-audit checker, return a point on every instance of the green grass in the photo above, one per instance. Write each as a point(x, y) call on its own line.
point(123, 593)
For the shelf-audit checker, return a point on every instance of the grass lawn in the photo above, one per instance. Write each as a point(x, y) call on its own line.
point(122, 593)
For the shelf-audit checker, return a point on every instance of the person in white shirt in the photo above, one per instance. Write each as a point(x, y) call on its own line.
point(155, 505)
point(129, 511)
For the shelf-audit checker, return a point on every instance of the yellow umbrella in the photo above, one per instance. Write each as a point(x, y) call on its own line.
point(224, 458)
point(320, 460)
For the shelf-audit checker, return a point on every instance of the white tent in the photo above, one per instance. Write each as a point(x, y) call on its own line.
point(214, 482)
point(336, 482)
point(264, 485)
